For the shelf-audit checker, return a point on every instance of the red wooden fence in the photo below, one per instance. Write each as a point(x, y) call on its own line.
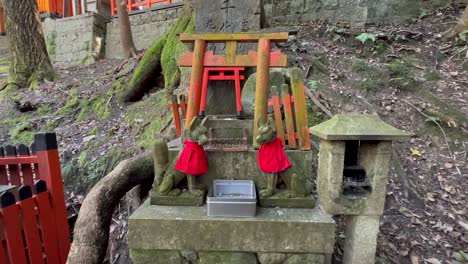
point(33, 216)
point(133, 5)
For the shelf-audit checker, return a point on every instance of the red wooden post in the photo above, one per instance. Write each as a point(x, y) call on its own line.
point(12, 228)
point(288, 113)
point(196, 81)
point(183, 105)
point(204, 91)
point(47, 153)
point(262, 86)
point(48, 228)
point(277, 111)
point(238, 92)
point(112, 4)
point(30, 226)
point(3, 171)
point(26, 169)
point(129, 5)
point(175, 111)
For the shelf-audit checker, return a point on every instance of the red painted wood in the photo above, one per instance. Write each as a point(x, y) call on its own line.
point(51, 173)
point(31, 231)
point(234, 75)
point(289, 120)
point(3, 170)
point(277, 59)
point(278, 118)
point(175, 112)
point(17, 160)
point(3, 257)
point(48, 228)
point(183, 105)
point(13, 236)
point(132, 5)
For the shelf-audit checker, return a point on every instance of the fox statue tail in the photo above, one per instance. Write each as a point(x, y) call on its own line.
point(161, 160)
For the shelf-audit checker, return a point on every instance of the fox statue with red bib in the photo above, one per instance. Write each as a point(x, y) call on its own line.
point(191, 162)
point(273, 161)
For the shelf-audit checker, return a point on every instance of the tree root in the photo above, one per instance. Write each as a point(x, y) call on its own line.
point(91, 234)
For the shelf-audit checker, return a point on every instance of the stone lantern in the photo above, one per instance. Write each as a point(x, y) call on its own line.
point(354, 159)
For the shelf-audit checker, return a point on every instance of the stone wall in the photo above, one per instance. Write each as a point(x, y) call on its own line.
point(75, 40)
point(146, 29)
point(355, 12)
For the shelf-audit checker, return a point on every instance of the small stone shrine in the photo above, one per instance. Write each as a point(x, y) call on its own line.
point(272, 148)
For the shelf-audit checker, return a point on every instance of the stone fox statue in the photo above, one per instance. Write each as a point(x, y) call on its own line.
point(273, 162)
point(191, 162)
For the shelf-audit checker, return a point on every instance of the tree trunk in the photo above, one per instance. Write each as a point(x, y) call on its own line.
point(29, 60)
point(128, 45)
point(91, 234)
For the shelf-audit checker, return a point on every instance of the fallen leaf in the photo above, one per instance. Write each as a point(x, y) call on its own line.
point(414, 259)
point(430, 197)
point(415, 152)
point(448, 165)
point(433, 261)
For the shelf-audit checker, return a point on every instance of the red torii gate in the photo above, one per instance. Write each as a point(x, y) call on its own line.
point(263, 60)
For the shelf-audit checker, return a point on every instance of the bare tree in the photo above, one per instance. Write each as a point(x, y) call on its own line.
point(128, 45)
point(29, 60)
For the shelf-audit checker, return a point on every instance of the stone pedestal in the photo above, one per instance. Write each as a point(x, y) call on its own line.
point(361, 239)
point(165, 234)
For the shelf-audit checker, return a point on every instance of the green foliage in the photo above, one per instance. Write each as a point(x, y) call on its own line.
point(365, 37)
point(432, 119)
point(463, 35)
point(83, 159)
point(313, 85)
point(93, 131)
point(44, 110)
point(97, 105)
point(72, 105)
point(148, 116)
point(23, 133)
point(362, 67)
point(172, 50)
point(93, 171)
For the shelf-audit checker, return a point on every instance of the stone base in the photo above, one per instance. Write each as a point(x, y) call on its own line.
point(150, 256)
point(183, 199)
point(280, 200)
point(155, 229)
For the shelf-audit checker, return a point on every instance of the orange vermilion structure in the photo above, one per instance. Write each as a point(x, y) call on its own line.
point(32, 203)
point(133, 5)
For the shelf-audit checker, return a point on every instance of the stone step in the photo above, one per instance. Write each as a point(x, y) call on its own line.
point(274, 230)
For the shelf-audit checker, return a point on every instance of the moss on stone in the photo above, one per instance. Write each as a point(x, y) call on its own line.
point(172, 50)
point(402, 76)
point(148, 117)
point(23, 133)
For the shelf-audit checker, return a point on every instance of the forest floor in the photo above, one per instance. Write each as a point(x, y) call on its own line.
point(408, 74)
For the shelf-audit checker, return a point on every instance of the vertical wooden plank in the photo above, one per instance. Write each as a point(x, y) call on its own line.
point(300, 108)
point(262, 86)
point(12, 228)
point(231, 52)
point(47, 225)
point(277, 112)
point(13, 169)
point(286, 98)
point(183, 105)
point(112, 4)
point(3, 170)
point(175, 112)
point(30, 226)
point(196, 82)
point(49, 169)
point(204, 92)
point(26, 169)
point(3, 259)
point(238, 91)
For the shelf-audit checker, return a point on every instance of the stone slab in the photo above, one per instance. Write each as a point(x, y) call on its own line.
point(283, 202)
point(243, 165)
point(184, 199)
point(272, 230)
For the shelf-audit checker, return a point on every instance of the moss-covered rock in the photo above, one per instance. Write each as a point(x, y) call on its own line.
point(161, 56)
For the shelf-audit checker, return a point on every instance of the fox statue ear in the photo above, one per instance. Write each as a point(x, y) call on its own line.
point(260, 123)
point(193, 124)
point(203, 122)
point(271, 123)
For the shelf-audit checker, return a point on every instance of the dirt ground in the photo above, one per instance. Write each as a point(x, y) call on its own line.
point(409, 75)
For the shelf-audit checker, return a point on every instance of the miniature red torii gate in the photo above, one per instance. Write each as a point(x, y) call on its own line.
point(263, 60)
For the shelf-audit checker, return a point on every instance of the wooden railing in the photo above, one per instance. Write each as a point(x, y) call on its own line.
point(133, 5)
point(33, 216)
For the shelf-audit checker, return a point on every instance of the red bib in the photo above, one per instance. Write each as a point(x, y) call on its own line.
point(192, 160)
point(272, 158)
